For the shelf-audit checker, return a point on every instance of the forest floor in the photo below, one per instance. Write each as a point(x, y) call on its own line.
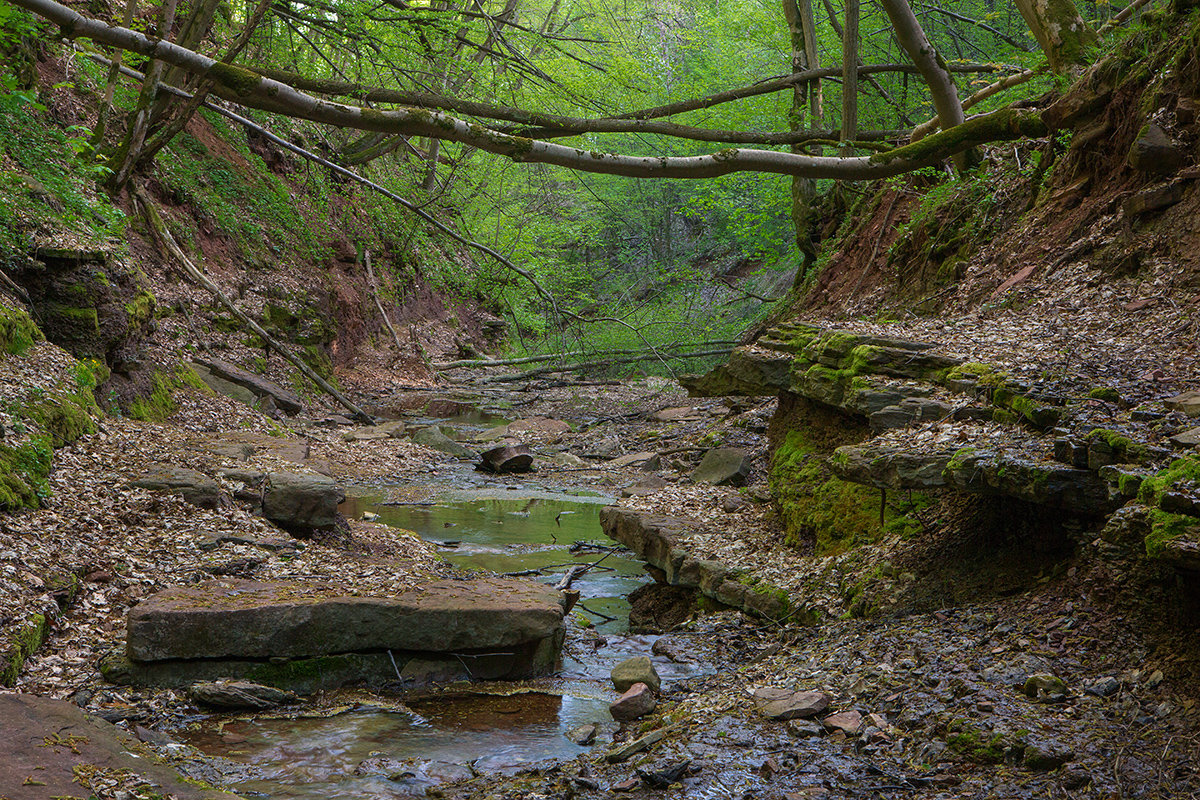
point(934, 698)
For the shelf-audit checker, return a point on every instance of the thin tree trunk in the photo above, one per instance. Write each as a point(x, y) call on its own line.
point(912, 38)
point(378, 304)
point(127, 156)
point(184, 112)
point(850, 76)
point(110, 86)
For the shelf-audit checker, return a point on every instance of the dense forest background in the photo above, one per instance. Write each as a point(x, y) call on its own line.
point(646, 261)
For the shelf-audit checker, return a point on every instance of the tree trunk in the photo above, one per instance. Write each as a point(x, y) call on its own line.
point(802, 32)
point(1060, 31)
point(912, 38)
point(850, 76)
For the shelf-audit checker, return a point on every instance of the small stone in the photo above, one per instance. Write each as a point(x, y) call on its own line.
point(1154, 151)
point(1043, 756)
point(635, 670)
point(723, 466)
point(638, 701)
point(1104, 687)
point(583, 735)
point(848, 722)
point(630, 460)
point(1154, 199)
point(803, 728)
point(239, 694)
point(665, 777)
point(670, 649)
point(432, 437)
point(1188, 403)
point(1045, 688)
point(1188, 438)
point(627, 785)
point(1155, 679)
point(734, 503)
point(783, 705)
point(628, 749)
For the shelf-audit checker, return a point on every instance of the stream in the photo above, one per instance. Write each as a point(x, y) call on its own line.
point(521, 530)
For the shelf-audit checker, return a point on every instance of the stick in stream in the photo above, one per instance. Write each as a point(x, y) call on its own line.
point(164, 235)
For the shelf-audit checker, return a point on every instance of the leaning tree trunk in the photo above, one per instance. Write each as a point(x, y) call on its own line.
point(912, 38)
point(1060, 31)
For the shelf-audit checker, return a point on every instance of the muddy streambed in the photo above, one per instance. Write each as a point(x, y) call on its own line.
point(383, 752)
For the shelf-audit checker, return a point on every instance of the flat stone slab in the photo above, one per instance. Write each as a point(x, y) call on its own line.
point(260, 620)
point(50, 748)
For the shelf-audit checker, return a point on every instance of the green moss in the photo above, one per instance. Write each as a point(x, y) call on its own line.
point(1129, 485)
point(140, 309)
point(1004, 416)
point(23, 474)
point(1005, 124)
point(160, 403)
point(85, 320)
point(1105, 393)
point(1166, 528)
point(20, 645)
point(241, 80)
point(978, 747)
point(833, 515)
point(18, 333)
point(63, 419)
point(983, 374)
point(960, 459)
point(1155, 486)
point(1122, 446)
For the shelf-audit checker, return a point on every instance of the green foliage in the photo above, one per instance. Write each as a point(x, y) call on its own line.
point(46, 179)
point(241, 196)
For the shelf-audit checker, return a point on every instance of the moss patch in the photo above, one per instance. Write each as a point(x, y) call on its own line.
point(160, 403)
point(19, 645)
point(18, 333)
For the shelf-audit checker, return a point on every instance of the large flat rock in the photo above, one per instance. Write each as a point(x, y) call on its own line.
point(259, 620)
point(51, 749)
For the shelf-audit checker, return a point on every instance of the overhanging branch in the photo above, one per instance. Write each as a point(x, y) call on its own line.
point(242, 86)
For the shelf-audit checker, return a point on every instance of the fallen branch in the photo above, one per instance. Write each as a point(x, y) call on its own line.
point(530, 373)
point(507, 362)
point(164, 235)
point(374, 285)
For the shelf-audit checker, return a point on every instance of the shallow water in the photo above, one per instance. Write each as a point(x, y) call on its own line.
point(318, 757)
point(534, 531)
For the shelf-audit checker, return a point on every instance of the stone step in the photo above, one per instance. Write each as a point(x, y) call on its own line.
point(262, 620)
